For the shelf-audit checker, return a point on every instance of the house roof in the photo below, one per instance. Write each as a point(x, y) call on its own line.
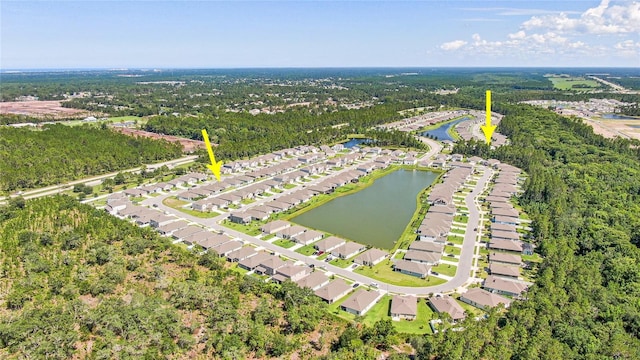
point(312, 280)
point(508, 245)
point(503, 257)
point(293, 230)
point(187, 231)
point(329, 242)
point(308, 235)
point(414, 267)
point(503, 227)
point(254, 261)
point(273, 262)
point(243, 253)
point(291, 270)
point(496, 283)
point(485, 298)
point(500, 269)
point(176, 225)
point(227, 246)
point(509, 235)
point(447, 304)
point(424, 256)
point(371, 255)
point(348, 248)
point(404, 305)
point(426, 246)
point(361, 299)
point(333, 289)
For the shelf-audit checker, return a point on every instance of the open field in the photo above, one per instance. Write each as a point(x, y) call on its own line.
point(613, 128)
point(40, 109)
point(573, 83)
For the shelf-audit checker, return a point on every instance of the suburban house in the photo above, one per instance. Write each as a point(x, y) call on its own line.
point(504, 235)
point(290, 272)
point(308, 237)
point(429, 258)
point(241, 254)
point(291, 231)
point(361, 301)
point(504, 286)
point(274, 226)
point(447, 304)
point(333, 290)
point(427, 246)
point(168, 229)
point(412, 268)
point(347, 250)
point(371, 257)
point(505, 258)
point(160, 219)
point(240, 218)
point(483, 299)
point(313, 281)
point(186, 232)
point(404, 307)
point(504, 270)
point(227, 248)
point(252, 262)
point(269, 265)
point(329, 243)
point(506, 245)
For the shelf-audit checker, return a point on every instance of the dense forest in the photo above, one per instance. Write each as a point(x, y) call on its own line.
point(79, 282)
point(244, 135)
point(58, 153)
point(583, 193)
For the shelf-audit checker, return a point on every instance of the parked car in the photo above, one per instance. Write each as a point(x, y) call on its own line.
point(375, 285)
point(354, 266)
point(355, 285)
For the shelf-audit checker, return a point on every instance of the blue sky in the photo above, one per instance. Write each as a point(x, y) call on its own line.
point(213, 34)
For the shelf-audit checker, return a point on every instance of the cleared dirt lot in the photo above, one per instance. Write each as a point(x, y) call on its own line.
point(613, 128)
point(188, 145)
point(41, 109)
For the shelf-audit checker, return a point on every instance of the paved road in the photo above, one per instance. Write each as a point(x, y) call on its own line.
point(464, 265)
point(95, 180)
point(434, 146)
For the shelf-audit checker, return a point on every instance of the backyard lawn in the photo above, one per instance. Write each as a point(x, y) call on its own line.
point(385, 273)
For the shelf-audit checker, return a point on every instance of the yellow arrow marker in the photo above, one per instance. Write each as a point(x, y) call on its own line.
point(487, 128)
point(214, 166)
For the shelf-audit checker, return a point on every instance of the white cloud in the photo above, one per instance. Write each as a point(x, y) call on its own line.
point(601, 20)
point(563, 36)
point(628, 48)
point(453, 45)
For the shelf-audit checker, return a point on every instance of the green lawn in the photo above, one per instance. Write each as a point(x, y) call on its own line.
point(200, 214)
point(445, 269)
point(323, 256)
point(421, 324)
point(289, 186)
point(284, 243)
point(458, 231)
point(461, 219)
point(532, 258)
point(247, 201)
point(268, 237)
point(343, 263)
point(252, 229)
point(452, 250)
point(385, 273)
point(399, 255)
point(306, 250)
point(455, 239)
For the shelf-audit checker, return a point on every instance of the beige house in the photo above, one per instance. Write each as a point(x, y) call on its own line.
point(404, 307)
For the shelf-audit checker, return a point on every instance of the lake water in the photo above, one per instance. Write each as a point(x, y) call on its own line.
point(441, 132)
point(376, 215)
point(355, 142)
point(618, 117)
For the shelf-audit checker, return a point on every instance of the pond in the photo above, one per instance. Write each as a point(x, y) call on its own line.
point(442, 132)
point(376, 215)
point(356, 142)
point(618, 117)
